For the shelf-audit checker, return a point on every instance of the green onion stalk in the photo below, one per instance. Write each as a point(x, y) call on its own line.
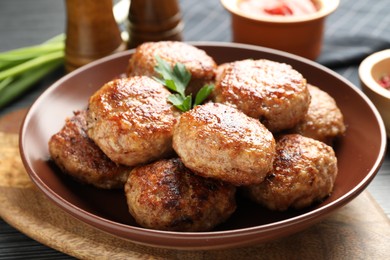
point(21, 68)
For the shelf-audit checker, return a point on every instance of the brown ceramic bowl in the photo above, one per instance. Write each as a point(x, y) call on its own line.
point(301, 35)
point(360, 153)
point(371, 70)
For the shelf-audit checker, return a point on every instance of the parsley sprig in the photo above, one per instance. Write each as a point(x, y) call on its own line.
point(176, 79)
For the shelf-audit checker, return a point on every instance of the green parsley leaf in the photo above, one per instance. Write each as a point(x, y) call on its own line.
point(163, 68)
point(180, 102)
point(203, 93)
point(177, 80)
point(171, 85)
point(181, 76)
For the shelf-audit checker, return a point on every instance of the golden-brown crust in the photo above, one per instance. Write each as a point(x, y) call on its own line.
point(221, 145)
point(304, 172)
point(77, 155)
point(271, 91)
point(218, 141)
point(166, 195)
point(131, 120)
point(324, 120)
point(198, 63)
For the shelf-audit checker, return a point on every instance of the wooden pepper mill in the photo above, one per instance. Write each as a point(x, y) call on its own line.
point(91, 32)
point(154, 20)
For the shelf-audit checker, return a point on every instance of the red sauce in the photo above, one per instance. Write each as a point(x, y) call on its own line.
point(384, 81)
point(277, 7)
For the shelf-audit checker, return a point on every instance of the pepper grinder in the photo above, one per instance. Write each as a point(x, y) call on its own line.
point(91, 32)
point(154, 20)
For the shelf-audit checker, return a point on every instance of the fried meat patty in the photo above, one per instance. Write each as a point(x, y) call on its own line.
point(271, 91)
point(166, 195)
point(197, 62)
point(131, 120)
point(77, 155)
point(324, 120)
point(218, 141)
point(304, 172)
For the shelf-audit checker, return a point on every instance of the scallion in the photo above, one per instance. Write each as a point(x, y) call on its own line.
point(21, 68)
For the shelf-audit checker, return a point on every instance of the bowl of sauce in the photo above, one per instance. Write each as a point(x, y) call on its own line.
point(374, 75)
point(294, 26)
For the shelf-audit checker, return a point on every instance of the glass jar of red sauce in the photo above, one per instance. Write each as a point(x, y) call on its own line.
point(277, 7)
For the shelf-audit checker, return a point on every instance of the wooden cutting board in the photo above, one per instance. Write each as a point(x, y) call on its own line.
point(360, 230)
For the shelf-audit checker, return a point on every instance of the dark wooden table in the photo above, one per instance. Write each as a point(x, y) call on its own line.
point(355, 30)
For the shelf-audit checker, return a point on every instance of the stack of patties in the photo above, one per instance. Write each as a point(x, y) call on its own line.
point(180, 170)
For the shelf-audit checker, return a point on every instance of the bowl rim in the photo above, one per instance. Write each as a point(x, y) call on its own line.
point(104, 224)
point(327, 7)
point(365, 69)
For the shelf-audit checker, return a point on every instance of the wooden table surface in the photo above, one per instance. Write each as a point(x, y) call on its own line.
point(355, 30)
